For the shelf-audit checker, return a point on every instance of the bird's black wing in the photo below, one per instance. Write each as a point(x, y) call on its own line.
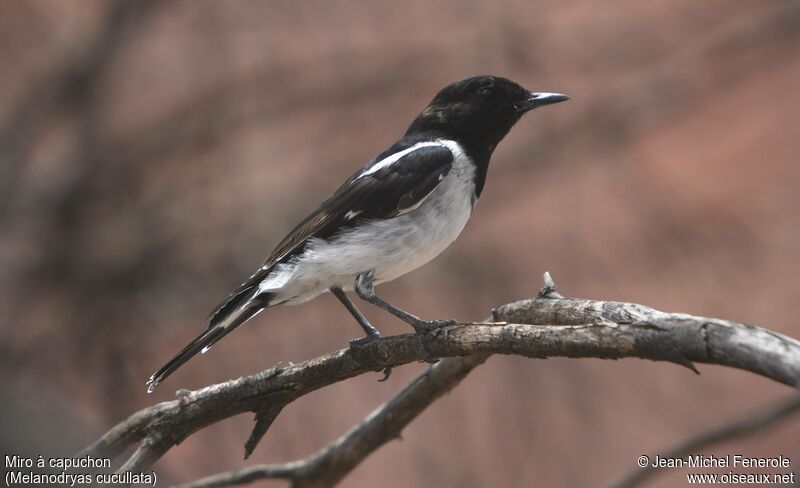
point(377, 191)
point(380, 194)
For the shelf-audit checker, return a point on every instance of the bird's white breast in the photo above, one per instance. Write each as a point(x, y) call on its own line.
point(391, 247)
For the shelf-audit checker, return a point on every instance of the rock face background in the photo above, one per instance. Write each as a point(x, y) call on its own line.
point(152, 153)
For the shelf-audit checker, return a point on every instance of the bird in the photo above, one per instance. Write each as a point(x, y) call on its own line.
point(393, 215)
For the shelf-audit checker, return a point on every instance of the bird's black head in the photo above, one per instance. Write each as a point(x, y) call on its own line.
point(479, 111)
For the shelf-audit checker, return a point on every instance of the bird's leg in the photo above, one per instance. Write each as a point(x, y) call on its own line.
point(365, 289)
point(372, 332)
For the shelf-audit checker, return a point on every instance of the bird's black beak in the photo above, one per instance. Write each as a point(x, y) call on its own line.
point(538, 99)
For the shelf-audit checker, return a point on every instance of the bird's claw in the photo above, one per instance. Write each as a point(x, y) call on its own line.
point(387, 371)
point(424, 326)
point(362, 341)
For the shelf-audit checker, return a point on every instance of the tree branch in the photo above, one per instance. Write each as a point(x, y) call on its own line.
point(742, 427)
point(546, 326)
point(332, 463)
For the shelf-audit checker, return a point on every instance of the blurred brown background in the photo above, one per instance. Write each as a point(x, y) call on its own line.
point(152, 153)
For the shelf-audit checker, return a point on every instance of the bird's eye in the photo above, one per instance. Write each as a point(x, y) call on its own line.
point(488, 94)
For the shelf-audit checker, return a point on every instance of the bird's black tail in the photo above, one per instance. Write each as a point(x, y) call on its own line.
point(233, 312)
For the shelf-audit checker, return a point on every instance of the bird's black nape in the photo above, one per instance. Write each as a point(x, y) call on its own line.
point(478, 112)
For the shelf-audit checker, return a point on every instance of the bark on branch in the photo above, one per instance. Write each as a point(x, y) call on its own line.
point(546, 326)
point(331, 463)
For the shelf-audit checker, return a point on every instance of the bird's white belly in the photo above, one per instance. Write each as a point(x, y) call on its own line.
point(391, 247)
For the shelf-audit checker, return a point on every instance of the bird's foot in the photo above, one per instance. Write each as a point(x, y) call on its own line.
point(361, 341)
point(425, 326)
